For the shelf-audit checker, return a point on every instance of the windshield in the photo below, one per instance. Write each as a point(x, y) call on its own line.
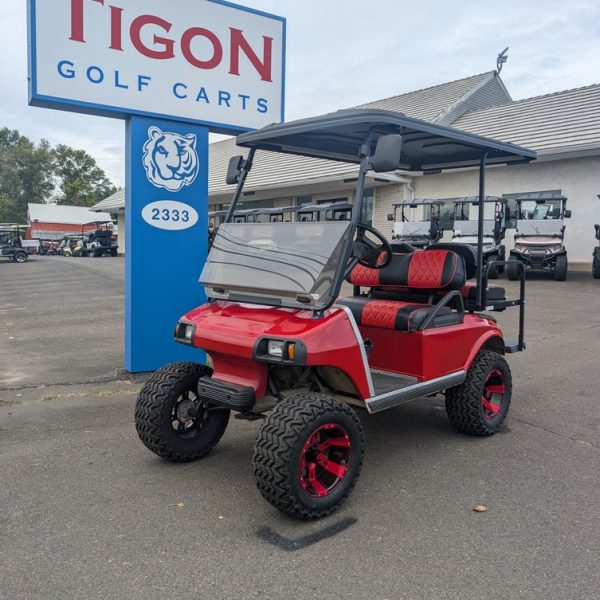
point(281, 264)
point(550, 209)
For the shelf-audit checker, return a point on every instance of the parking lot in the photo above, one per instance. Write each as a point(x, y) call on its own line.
point(88, 512)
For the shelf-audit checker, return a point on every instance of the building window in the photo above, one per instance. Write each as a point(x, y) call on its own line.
point(302, 200)
point(511, 205)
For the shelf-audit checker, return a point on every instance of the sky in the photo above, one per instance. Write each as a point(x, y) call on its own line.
point(341, 53)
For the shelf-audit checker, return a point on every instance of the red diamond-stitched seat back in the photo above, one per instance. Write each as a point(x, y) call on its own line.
point(422, 270)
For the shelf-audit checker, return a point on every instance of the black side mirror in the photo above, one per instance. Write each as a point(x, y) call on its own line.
point(233, 170)
point(387, 153)
point(390, 217)
point(567, 214)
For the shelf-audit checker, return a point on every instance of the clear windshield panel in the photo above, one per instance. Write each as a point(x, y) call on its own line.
point(472, 228)
point(550, 209)
point(409, 229)
point(284, 264)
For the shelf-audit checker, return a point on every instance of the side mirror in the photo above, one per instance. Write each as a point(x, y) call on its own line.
point(387, 153)
point(233, 170)
point(567, 214)
point(390, 217)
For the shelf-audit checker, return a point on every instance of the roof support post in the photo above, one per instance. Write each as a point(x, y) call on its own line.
point(245, 169)
point(480, 228)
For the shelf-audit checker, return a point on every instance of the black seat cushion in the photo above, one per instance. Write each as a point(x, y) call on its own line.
point(494, 293)
point(395, 314)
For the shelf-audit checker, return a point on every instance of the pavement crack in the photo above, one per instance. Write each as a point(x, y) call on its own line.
point(557, 434)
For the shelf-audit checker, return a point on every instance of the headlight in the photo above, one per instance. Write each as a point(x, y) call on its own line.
point(275, 348)
point(184, 332)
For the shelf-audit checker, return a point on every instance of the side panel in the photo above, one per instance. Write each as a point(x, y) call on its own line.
point(432, 353)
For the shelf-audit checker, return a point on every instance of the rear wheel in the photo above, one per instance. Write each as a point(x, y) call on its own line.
point(20, 257)
point(513, 270)
point(560, 268)
point(308, 455)
point(479, 405)
point(493, 270)
point(113, 252)
point(172, 420)
point(596, 266)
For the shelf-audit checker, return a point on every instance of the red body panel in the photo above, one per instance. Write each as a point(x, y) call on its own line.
point(432, 353)
point(228, 331)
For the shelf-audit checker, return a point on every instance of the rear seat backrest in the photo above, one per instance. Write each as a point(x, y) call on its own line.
point(422, 270)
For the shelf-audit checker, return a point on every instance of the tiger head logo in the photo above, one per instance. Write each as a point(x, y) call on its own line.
point(170, 159)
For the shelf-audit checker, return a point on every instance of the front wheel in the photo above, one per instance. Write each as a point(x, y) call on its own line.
point(493, 269)
point(480, 404)
point(308, 455)
point(560, 268)
point(596, 266)
point(513, 270)
point(172, 420)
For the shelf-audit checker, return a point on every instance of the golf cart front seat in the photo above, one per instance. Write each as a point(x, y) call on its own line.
point(423, 273)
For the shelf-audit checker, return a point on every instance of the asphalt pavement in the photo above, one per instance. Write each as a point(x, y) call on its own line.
point(88, 512)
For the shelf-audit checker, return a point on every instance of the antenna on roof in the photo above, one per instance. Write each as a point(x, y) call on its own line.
point(502, 58)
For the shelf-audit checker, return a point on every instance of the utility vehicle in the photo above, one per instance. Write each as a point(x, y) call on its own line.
point(100, 242)
point(283, 214)
point(286, 348)
point(417, 234)
point(539, 238)
point(596, 255)
point(465, 230)
point(11, 245)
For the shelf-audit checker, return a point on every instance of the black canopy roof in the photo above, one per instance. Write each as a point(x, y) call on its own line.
point(475, 199)
point(339, 136)
point(419, 202)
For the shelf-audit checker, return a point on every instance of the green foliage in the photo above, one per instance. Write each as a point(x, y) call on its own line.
point(38, 173)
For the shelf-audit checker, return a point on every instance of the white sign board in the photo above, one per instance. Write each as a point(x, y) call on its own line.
point(205, 61)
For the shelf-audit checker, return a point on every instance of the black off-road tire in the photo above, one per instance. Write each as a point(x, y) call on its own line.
point(596, 266)
point(513, 270)
point(20, 256)
point(281, 446)
point(154, 414)
point(113, 252)
point(464, 405)
point(97, 253)
point(561, 267)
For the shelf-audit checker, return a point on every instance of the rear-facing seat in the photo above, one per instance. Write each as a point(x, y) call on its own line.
point(416, 276)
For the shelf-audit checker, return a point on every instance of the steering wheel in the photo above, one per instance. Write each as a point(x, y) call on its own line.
point(367, 252)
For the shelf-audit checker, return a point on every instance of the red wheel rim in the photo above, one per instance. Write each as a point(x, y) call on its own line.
point(493, 395)
point(324, 460)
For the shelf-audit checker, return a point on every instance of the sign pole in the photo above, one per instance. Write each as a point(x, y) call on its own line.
point(167, 237)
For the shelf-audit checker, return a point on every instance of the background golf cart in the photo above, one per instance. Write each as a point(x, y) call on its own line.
point(11, 246)
point(539, 237)
point(596, 255)
point(417, 234)
point(282, 341)
point(465, 230)
point(101, 241)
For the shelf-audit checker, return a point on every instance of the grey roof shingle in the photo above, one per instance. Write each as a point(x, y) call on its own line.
point(562, 120)
point(113, 203)
point(429, 103)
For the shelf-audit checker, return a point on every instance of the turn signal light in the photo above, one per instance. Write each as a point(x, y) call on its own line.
point(291, 351)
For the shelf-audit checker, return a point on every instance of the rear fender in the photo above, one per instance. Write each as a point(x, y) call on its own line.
point(490, 340)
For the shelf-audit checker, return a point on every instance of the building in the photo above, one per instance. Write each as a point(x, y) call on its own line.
point(563, 127)
point(54, 221)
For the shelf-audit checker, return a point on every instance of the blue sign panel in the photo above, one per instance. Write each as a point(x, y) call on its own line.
point(167, 237)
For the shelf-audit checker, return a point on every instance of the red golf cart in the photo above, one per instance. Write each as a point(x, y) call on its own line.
point(286, 348)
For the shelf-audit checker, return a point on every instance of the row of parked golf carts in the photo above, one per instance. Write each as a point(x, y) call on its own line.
point(14, 246)
point(538, 240)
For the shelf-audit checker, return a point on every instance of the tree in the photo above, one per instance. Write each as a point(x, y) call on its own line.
point(80, 181)
point(26, 174)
